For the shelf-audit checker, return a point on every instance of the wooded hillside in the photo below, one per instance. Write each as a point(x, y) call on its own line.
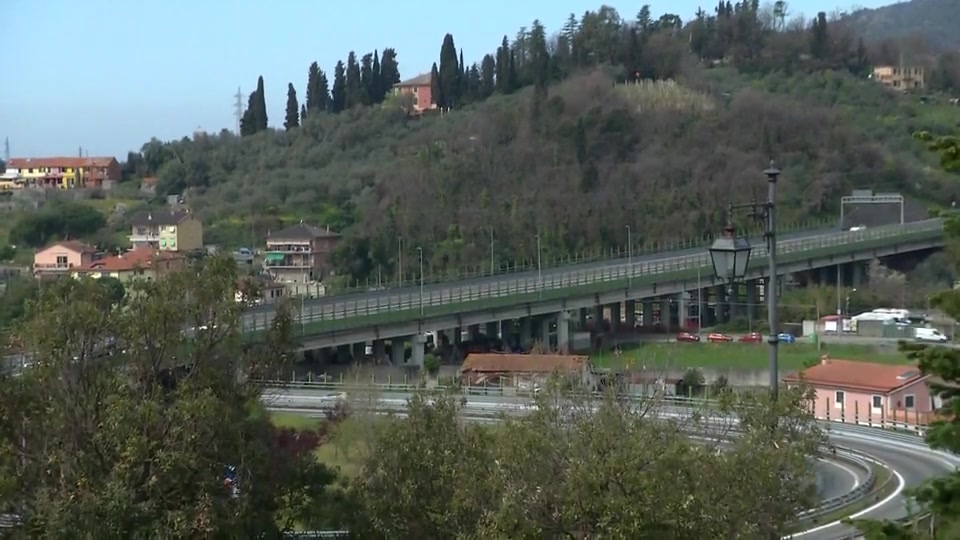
point(569, 137)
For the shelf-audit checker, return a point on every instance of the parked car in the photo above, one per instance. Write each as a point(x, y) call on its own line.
point(786, 338)
point(688, 337)
point(752, 337)
point(715, 337)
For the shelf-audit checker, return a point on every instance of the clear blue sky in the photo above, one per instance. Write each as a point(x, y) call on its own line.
point(107, 76)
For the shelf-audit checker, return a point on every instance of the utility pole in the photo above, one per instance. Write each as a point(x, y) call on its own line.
point(238, 108)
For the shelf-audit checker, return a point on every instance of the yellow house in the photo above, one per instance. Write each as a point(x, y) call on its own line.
point(141, 263)
point(900, 77)
point(64, 172)
point(166, 230)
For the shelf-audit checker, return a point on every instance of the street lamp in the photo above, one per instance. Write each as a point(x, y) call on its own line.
point(731, 255)
point(491, 252)
point(420, 253)
point(399, 261)
point(539, 268)
point(629, 259)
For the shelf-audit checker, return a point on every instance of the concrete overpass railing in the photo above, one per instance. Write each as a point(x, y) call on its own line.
point(402, 305)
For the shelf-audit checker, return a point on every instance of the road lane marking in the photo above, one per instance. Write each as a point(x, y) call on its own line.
point(851, 472)
point(896, 493)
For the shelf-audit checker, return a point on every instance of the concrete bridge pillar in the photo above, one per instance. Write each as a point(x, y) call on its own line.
point(735, 300)
point(563, 332)
point(457, 336)
point(493, 330)
point(398, 351)
point(380, 351)
point(859, 273)
point(474, 331)
point(615, 317)
point(647, 314)
point(417, 349)
point(630, 315)
point(597, 318)
point(751, 299)
point(683, 311)
point(582, 315)
point(544, 335)
point(666, 320)
point(827, 275)
point(720, 306)
point(526, 332)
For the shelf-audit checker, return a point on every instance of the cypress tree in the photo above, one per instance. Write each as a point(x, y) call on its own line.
point(503, 67)
point(354, 85)
point(376, 87)
point(389, 70)
point(367, 88)
point(323, 92)
point(488, 76)
point(338, 95)
point(463, 75)
point(292, 119)
point(248, 123)
point(303, 112)
point(313, 79)
point(260, 110)
point(449, 74)
point(436, 90)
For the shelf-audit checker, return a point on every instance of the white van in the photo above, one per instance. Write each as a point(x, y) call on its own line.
point(929, 334)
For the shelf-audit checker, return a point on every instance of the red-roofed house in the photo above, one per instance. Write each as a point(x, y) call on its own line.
point(60, 258)
point(64, 172)
point(867, 390)
point(420, 89)
point(140, 263)
point(523, 369)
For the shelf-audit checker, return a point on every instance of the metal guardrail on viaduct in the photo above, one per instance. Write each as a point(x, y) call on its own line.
point(340, 312)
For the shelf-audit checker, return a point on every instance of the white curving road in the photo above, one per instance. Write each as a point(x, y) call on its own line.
point(910, 458)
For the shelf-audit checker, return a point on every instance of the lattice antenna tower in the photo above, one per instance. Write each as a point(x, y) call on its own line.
point(6, 149)
point(238, 108)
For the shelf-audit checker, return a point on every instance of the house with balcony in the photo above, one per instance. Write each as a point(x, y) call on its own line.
point(864, 392)
point(299, 254)
point(420, 89)
point(901, 78)
point(63, 172)
point(139, 263)
point(166, 230)
point(61, 258)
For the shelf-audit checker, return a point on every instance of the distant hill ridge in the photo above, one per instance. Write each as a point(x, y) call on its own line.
point(937, 20)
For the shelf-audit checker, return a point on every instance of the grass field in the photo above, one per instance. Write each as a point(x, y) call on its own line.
point(739, 355)
point(345, 450)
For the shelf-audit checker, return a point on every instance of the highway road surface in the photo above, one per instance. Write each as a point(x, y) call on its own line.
point(363, 303)
point(910, 458)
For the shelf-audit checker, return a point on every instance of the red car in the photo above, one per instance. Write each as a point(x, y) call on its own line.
point(688, 337)
point(718, 338)
point(752, 337)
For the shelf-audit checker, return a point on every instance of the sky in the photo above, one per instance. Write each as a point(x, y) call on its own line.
point(107, 77)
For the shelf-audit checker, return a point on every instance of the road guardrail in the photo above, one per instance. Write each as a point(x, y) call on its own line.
point(537, 285)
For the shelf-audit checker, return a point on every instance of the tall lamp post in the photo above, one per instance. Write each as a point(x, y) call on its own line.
point(629, 258)
point(420, 253)
point(539, 268)
point(731, 254)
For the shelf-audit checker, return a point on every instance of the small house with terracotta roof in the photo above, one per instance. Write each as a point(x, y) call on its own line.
point(420, 89)
point(62, 257)
point(867, 390)
point(140, 263)
point(523, 370)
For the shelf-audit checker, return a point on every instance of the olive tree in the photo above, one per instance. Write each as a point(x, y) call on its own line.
point(577, 466)
point(131, 416)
